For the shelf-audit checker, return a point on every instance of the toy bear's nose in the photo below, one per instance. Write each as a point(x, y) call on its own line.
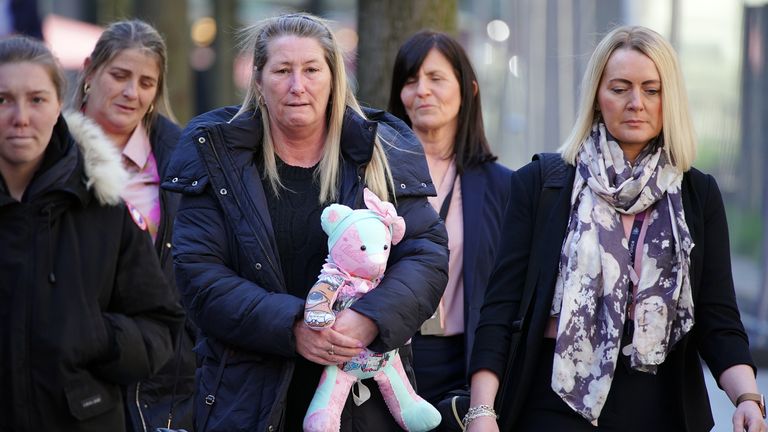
point(378, 258)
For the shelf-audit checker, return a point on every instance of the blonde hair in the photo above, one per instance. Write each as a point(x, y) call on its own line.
point(256, 39)
point(118, 37)
point(679, 136)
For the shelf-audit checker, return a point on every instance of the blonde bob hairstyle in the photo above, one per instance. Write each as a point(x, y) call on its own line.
point(679, 137)
point(256, 40)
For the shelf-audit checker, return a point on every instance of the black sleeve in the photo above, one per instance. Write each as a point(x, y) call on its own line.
point(143, 316)
point(507, 282)
point(719, 332)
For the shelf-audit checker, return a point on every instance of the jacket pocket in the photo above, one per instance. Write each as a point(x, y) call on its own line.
point(88, 397)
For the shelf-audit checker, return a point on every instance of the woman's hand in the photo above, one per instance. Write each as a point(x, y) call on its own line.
point(483, 424)
point(748, 418)
point(356, 325)
point(325, 347)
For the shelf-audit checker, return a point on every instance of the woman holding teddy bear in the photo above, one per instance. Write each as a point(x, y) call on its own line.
point(249, 243)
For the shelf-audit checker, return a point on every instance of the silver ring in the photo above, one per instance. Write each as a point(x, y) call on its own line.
point(330, 351)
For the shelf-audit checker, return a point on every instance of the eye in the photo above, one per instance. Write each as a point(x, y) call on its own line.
point(411, 80)
point(38, 99)
point(3, 100)
point(119, 76)
point(618, 90)
point(652, 91)
point(386, 247)
point(362, 248)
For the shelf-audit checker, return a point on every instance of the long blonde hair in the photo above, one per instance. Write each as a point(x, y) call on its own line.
point(256, 40)
point(679, 136)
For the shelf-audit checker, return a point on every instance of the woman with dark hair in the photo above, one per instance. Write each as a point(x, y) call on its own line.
point(435, 91)
point(84, 307)
point(122, 88)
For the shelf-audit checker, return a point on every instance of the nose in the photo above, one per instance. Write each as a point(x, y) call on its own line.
point(635, 102)
point(21, 116)
point(129, 91)
point(297, 83)
point(422, 87)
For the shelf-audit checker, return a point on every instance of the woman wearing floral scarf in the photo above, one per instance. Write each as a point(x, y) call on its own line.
point(635, 281)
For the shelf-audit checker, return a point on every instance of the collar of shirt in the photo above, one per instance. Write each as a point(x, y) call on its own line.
point(138, 148)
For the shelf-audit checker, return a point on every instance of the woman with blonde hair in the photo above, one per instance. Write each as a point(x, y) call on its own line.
point(249, 244)
point(123, 89)
point(597, 322)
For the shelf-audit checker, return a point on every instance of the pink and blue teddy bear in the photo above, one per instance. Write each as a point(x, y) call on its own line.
point(359, 243)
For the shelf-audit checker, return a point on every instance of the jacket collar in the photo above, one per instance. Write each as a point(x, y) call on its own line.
point(92, 164)
point(103, 169)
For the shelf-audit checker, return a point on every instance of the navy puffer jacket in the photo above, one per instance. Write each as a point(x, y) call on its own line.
point(228, 268)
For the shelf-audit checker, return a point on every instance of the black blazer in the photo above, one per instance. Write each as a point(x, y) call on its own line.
point(718, 335)
point(485, 194)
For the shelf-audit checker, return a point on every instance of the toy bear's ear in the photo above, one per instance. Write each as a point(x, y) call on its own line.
point(332, 215)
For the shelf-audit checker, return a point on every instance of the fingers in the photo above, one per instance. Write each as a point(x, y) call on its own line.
point(748, 418)
point(325, 347)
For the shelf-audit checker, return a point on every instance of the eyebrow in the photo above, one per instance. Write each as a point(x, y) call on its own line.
point(124, 70)
point(626, 81)
point(31, 92)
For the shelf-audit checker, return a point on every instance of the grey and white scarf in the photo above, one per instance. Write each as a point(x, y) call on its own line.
point(592, 290)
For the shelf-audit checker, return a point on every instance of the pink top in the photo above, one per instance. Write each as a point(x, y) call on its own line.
point(627, 221)
point(452, 303)
point(143, 189)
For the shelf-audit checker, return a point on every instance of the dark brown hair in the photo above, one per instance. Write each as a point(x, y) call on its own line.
point(470, 145)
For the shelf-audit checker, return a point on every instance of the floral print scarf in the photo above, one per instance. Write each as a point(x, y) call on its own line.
point(593, 286)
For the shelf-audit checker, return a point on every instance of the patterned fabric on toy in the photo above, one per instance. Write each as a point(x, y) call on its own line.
point(359, 242)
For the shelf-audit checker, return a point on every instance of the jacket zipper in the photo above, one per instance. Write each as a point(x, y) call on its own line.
point(240, 206)
point(138, 407)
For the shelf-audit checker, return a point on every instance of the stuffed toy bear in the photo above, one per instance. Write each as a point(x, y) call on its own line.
point(358, 248)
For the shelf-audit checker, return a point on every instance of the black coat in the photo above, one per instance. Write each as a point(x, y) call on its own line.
point(485, 193)
point(84, 308)
point(149, 400)
point(717, 336)
point(228, 267)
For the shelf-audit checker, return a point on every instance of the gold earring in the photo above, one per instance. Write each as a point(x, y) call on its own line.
point(260, 99)
point(151, 108)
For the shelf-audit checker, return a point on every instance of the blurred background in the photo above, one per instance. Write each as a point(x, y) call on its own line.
point(529, 54)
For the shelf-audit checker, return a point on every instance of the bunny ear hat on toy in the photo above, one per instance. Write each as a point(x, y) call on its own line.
point(337, 217)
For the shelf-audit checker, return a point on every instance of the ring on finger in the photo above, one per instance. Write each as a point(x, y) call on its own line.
point(330, 351)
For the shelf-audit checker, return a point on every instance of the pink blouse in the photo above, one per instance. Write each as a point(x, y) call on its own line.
point(143, 189)
point(452, 304)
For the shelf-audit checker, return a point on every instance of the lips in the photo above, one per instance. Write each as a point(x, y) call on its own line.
point(634, 122)
point(125, 108)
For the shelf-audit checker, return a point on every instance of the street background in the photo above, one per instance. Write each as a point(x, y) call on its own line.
point(529, 56)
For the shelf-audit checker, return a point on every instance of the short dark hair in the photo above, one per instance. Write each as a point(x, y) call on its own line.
point(19, 49)
point(470, 145)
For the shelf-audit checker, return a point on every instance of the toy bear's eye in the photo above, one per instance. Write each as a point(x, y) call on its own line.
point(362, 247)
point(386, 247)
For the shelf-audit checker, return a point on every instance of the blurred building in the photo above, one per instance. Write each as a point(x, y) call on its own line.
point(530, 56)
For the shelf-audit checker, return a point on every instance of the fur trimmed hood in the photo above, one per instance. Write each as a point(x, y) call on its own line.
point(106, 176)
